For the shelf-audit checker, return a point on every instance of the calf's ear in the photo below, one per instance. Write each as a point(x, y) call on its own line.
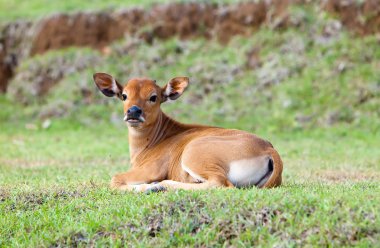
point(107, 85)
point(174, 88)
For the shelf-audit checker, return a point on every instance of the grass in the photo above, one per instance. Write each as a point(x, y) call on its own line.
point(35, 9)
point(300, 90)
point(54, 190)
point(21, 9)
point(317, 102)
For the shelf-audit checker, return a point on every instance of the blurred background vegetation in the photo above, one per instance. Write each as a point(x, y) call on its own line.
point(284, 66)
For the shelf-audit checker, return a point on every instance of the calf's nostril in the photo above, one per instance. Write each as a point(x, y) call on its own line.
point(134, 111)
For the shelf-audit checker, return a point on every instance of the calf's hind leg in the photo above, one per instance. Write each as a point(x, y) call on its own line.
point(172, 185)
point(204, 168)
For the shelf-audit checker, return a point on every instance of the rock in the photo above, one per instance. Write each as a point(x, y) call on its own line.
point(46, 124)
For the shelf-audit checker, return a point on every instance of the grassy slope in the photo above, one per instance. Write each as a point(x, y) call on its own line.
point(21, 9)
point(53, 182)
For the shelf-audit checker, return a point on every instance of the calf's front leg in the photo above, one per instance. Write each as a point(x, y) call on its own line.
point(134, 180)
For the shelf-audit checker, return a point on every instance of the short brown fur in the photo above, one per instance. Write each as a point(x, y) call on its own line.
point(182, 156)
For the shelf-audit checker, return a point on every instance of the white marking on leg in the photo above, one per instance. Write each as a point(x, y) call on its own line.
point(170, 182)
point(248, 172)
point(136, 187)
point(136, 183)
point(192, 174)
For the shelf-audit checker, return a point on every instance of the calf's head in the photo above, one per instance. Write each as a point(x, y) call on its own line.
point(141, 97)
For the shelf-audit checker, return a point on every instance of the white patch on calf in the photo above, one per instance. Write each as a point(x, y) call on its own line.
point(192, 174)
point(248, 172)
point(115, 89)
point(136, 188)
point(168, 89)
point(170, 182)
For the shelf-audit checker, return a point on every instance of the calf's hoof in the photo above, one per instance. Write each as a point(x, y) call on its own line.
point(155, 188)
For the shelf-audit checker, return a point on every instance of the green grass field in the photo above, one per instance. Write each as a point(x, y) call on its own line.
point(317, 101)
point(55, 191)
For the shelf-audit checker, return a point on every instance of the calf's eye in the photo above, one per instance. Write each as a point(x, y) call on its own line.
point(124, 96)
point(153, 98)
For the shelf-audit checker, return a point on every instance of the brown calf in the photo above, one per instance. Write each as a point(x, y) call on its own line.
point(181, 156)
